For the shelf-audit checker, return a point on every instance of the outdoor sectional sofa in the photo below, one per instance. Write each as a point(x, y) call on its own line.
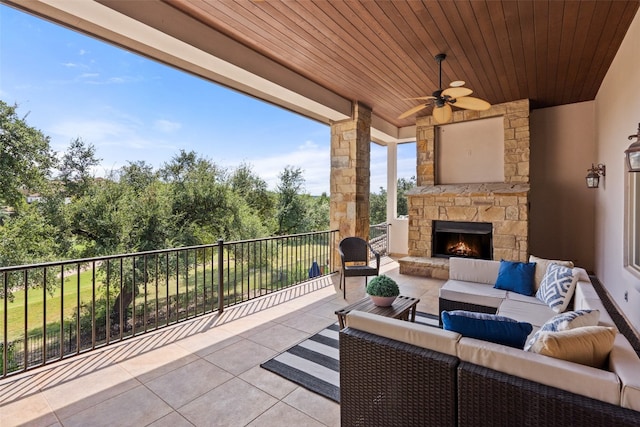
point(394, 372)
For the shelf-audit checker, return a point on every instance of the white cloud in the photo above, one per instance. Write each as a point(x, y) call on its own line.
point(312, 158)
point(117, 140)
point(91, 130)
point(166, 125)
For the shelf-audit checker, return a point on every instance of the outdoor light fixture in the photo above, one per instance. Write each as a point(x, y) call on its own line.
point(593, 177)
point(633, 153)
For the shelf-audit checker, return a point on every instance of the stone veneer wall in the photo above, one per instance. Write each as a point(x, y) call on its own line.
point(505, 205)
point(349, 181)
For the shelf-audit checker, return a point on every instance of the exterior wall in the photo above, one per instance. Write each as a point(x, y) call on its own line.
point(349, 182)
point(617, 113)
point(505, 205)
point(562, 215)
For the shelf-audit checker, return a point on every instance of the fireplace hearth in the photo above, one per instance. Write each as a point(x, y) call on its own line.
point(462, 239)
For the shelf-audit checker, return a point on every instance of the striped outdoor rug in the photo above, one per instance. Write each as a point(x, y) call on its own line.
point(314, 363)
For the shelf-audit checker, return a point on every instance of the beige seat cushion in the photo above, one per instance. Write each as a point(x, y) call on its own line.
point(534, 313)
point(525, 298)
point(472, 293)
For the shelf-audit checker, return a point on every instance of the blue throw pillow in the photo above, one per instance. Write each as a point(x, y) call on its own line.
point(487, 327)
point(516, 277)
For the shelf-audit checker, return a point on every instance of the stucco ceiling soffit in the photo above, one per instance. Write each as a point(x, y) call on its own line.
point(260, 72)
point(98, 20)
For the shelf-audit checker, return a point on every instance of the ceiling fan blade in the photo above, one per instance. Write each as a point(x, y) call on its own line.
point(420, 97)
point(412, 111)
point(442, 114)
point(457, 92)
point(471, 103)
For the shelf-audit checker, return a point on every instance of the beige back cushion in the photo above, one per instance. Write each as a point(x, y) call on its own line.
point(584, 380)
point(541, 267)
point(408, 332)
point(474, 270)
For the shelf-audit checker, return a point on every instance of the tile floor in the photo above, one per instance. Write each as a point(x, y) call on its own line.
point(201, 372)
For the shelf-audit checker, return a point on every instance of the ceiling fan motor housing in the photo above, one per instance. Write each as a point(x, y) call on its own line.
point(443, 99)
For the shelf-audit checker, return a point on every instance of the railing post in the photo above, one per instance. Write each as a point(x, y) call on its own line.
point(220, 275)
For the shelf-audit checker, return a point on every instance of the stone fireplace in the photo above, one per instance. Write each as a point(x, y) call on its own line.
point(501, 206)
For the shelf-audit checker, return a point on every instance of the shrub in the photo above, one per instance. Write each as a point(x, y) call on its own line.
point(383, 286)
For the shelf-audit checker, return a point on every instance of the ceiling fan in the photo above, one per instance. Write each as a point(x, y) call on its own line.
point(442, 100)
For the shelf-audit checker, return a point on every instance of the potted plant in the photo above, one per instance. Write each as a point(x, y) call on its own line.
point(383, 290)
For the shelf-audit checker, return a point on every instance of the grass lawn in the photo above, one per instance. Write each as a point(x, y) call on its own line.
point(69, 298)
point(36, 298)
point(35, 305)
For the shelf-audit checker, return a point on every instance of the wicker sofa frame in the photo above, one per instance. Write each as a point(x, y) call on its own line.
point(384, 382)
point(488, 398)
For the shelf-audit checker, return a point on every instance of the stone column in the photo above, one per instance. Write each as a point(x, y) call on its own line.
point(350, 161)
point(425, 152)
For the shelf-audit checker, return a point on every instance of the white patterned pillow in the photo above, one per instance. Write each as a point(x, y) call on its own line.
point(541, 267)
point(557, 287)
point(566, 321)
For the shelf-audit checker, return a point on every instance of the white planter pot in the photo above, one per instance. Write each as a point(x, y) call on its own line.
point(382, 301)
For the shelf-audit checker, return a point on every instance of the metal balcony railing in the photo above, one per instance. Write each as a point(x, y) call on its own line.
point(379, 237)
point(51, 311)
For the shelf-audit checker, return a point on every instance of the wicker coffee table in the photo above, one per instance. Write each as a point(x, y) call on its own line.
point(403, 308)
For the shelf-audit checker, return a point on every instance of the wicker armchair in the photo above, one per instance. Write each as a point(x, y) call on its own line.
point(355, 254)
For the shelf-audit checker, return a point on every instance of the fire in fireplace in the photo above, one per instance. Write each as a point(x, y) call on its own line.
point(462, 239)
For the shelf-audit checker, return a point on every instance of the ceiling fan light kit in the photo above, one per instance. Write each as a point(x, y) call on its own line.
point(443, 99)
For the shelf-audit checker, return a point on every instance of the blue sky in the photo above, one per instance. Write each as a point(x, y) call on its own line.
point(131, 108)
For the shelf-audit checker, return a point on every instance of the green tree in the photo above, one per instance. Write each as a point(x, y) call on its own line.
point(378, 207)
point(201, 202)
point(138, 175)
point(255, 193)
point(75, 167)
point(378, 202)
point(404, 185)
point(317, 213)
point(124, 216)
point(97, 218)
point(27, 238)
point(291, 208)
point(25, 157)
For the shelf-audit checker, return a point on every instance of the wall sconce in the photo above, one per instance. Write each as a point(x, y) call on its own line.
point(593, 177)
point(633, 153)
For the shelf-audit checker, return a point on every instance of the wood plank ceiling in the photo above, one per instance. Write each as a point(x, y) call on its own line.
point(551, 52)
point(382, 52)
